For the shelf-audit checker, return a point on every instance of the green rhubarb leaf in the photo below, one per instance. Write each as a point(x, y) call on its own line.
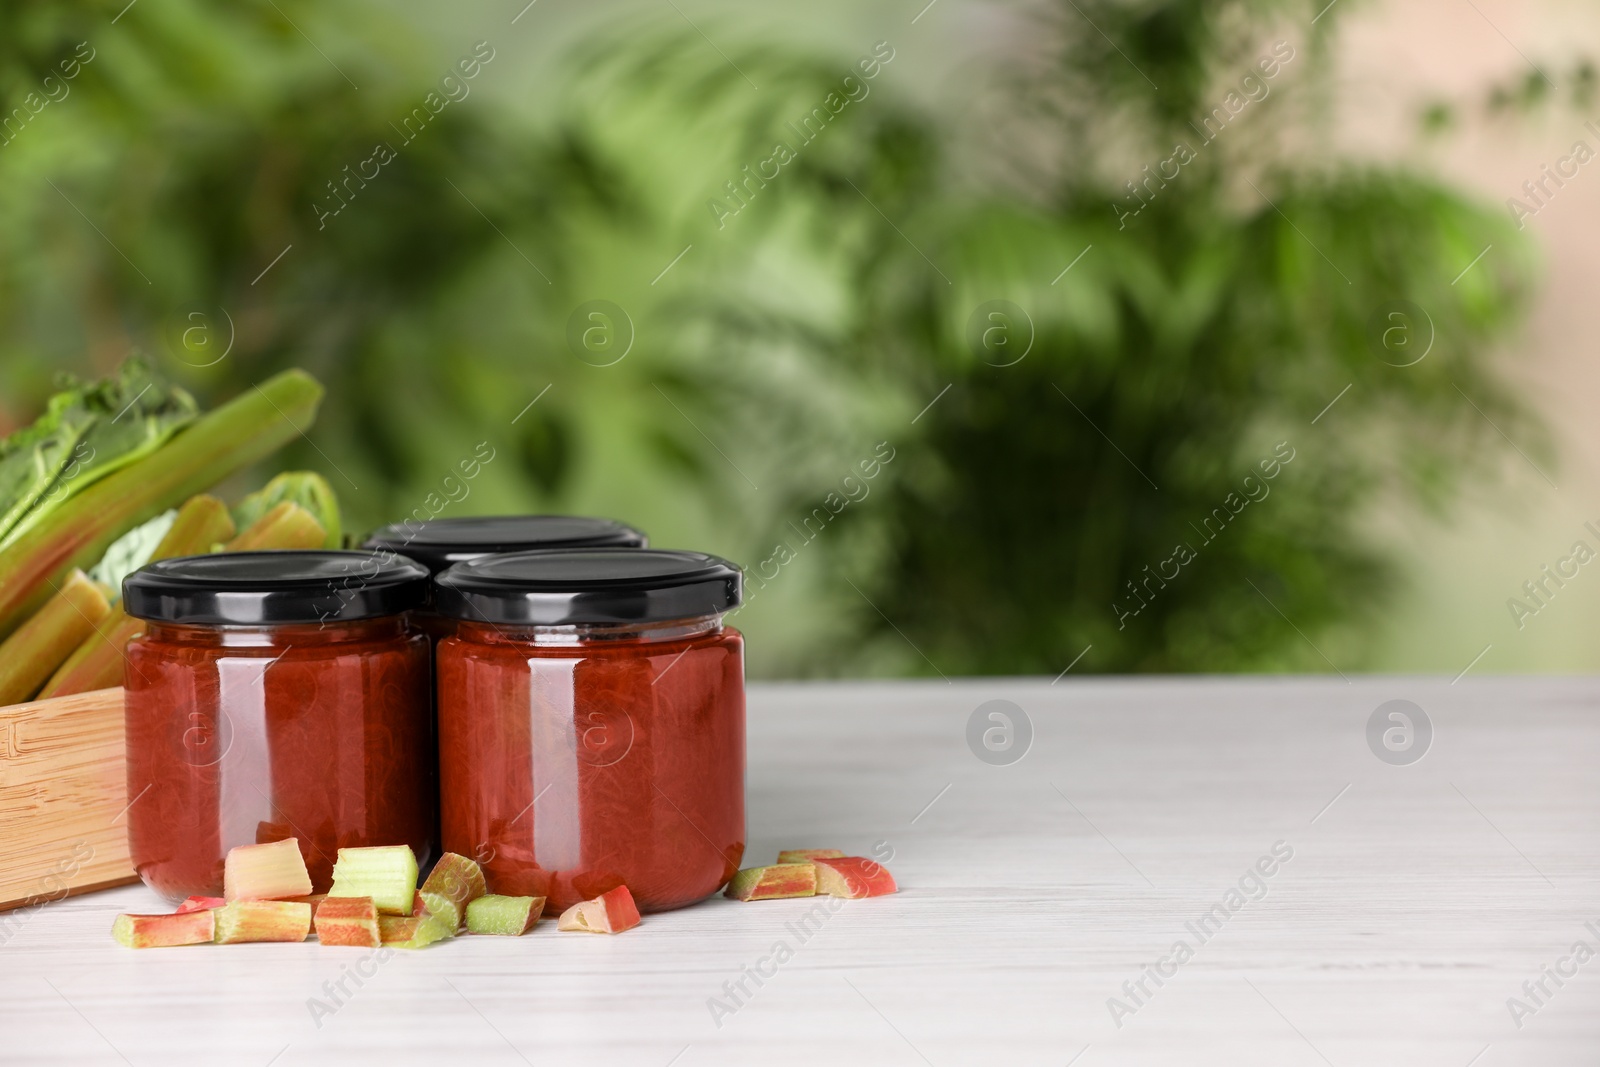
point(308, 489)
point(33, 458)
point(132, 550)
point(88, 430)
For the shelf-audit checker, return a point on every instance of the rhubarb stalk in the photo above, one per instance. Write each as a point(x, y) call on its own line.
point(853, 877)
point(194, 927)
point(261, 920)
point(349, 921)
point(199, 904)
point(457, 879)
point(609, 913)
point(271, 871)
point(386, 873)
point(31, 655)
point(97, 662)
point(806, 855)
point(423, 931)
point(505, 916)
point(774, 883)
point(438, 906)
point(77, 532)
point(204, 521)
point(285, 525)
point(308, 489)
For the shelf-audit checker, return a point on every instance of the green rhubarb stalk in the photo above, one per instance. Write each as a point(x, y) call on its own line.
point(202, 522)
point(286, 525)
point(504, 916)
point(308, 489)
point(429, 928)
point(97, 663)
point(386, 873)
point(29, 656)
point(78, 531)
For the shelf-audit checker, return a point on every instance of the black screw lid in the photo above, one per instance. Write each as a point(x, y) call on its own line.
point(588, 585)
point(253, 588)
point(437, 543)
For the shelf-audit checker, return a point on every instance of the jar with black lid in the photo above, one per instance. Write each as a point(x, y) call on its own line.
point(275, 695)
point(592, 723)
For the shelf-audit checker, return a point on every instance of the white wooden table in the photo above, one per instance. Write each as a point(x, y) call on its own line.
point(1418, 900)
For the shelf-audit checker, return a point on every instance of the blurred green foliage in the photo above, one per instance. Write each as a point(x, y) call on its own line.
point(178, 199)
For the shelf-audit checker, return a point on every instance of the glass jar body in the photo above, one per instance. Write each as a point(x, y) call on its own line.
point(573, 759)
point(238, 735)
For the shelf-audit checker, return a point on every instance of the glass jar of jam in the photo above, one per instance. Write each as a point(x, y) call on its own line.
point(275, 695)
point(591, 723)
point(440, 543)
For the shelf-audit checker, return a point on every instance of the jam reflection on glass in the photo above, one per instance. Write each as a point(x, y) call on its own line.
point(243, 734)
point(572, 762)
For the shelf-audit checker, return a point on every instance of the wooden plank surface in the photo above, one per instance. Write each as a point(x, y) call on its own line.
point(63, 798)
point(1418, 899)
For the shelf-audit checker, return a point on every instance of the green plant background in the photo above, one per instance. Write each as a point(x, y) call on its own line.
point(775, 350)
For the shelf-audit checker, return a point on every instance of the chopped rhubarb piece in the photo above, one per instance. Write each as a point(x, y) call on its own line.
point(348, 921)
point(195, 927)
point(458, 878)
point(608, 913)
point(854, 877)
point(438, 906)
point(387, 874)
point(418, 907)
point(199, 904)
point(393, 929)
point(262, 920)
point(265, 872)
point(806, 855)
point(506, 916)
point(774, 883)
point(429, 928)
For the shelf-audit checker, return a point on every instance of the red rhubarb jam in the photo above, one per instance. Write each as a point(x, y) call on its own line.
point(591, 723)
point(275, 695)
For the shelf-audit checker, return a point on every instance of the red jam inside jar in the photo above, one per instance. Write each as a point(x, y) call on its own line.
point(275, 695)
point(591, 723)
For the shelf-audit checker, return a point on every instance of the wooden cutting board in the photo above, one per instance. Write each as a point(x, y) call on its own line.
point(63, 799)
